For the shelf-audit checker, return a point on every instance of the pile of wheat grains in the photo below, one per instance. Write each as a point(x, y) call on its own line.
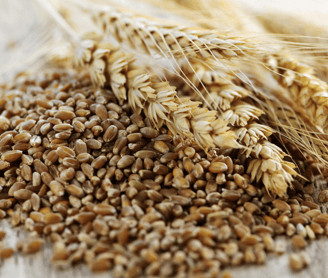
point(111, 191)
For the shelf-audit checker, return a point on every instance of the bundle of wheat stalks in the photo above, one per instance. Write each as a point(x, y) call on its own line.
point(181, 143)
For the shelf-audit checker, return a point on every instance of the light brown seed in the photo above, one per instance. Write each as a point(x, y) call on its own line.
point(154, 195)
point(290, 230)
point(134, 137)
point(45, 103)
point(63, 152)
point(23, 194)
point(78, 126)
point(145, 153)
point(33, 245)
point(94, 144)
point(149, 255)
point(4, 123)
point(310, 233)
point(67, 174)
point(64, 115)
point(137, 120)
point(120, 143)
point(87, 170)
point(71, 162)
point(110, 134)
point(80, 147)
point(52, 218)
point(166, 158)
point(252, 208)
point(100, 227)
point(39, 166)
point(198, 171)
point(36, 179)
point(6, 253)
point(188, 165)
point(2, 235)
point(84, 217)
point(231, 195)
point(240, 181)
point(250, 239)
point(8, 139)
point(84, 158)
point(26, 172)
point(57, 188)
point(296, 262)
point(161, 147)
point(104, 209)
point(125, 161)
point(16, 186)
point(180, 200)
point(160, 169)
point(281, 205)
point(35, 141)
point(11, 156)
point(27, 125)
point(35, 202)
point(4, 165)
point(99, 162)
point(217, 167)
point(299, 241)
point(242, 230)
point(51, 158)
point(180, 183)
point(46, 178)
point(148, 132)
point(62, 127)
point(74, 190)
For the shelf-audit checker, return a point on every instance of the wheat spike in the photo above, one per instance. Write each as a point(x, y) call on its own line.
point(158, 100)
point(308, 38)
point(233, 105)
point(305, 89)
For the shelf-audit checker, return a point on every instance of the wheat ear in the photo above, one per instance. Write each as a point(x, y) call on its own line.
point(303, 38)
point(158, 100)
point(305, 88)
point(232, 100)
